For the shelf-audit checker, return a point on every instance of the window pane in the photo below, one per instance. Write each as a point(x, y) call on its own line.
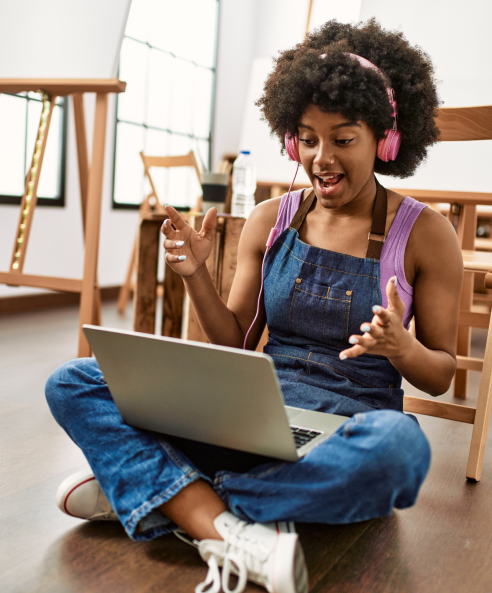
point(49, 182)
point(202, 150)
point(12, 141)
point(133, 70)
point(185, 28)
point(138, 22)
point(182, 84)
point(183, 186)
point(167, 91)
point(200, 37)
point(129, 168)
point(202, 103)
point(159, 90)
point(157, 144)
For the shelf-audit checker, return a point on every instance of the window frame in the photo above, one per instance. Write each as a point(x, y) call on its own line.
point(11, 200)
point(125, 206)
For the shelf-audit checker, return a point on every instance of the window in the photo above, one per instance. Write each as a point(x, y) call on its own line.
point(19, 120)
point(168, 61)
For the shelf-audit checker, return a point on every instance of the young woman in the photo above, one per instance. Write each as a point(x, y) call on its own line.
point(337, 302)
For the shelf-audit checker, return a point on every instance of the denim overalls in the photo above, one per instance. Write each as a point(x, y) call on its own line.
point(376, 461)
point(315, 300)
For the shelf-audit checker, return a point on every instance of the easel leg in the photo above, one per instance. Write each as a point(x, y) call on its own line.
point(83, 162)
point(94, 197)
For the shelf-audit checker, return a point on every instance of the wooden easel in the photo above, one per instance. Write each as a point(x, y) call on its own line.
point(91, 181)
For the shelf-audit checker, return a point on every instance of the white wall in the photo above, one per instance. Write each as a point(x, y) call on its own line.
point(457, 38)
point(237, 36)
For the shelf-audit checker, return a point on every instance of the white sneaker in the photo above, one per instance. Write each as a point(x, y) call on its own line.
point(267, 554)
point(80, 496)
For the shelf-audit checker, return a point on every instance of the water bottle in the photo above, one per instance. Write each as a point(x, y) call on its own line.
point(243, 185)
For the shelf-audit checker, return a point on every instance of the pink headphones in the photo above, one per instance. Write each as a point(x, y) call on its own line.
point(387, 147)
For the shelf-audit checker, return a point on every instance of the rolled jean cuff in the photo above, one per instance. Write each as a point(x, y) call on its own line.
point(147, 522)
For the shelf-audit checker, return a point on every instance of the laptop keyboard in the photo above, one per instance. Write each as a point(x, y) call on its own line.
point(302, 436)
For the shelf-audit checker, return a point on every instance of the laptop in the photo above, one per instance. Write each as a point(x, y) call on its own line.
point(207, 393)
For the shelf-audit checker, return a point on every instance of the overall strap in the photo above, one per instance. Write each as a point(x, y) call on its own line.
point(378, 227)
point(301, 213)
point(379, 213)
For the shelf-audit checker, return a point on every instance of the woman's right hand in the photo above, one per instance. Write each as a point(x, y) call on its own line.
point(186, 249)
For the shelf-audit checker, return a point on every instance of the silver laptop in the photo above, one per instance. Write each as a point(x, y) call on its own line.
point(211, 394)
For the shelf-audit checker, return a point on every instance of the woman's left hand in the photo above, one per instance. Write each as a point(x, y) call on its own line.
point(385, 335)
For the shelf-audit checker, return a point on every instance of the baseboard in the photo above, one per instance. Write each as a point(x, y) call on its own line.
point(49, 300)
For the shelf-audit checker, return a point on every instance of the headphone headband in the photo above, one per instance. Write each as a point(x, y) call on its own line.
point(388, 146)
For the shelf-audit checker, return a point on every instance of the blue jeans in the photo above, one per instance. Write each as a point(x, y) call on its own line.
point(374, 462)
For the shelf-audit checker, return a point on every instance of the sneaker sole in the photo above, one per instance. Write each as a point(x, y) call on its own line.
point(70, 484)
point(289, 552)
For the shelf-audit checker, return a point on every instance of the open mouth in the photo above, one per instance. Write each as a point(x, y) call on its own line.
point(329, 183)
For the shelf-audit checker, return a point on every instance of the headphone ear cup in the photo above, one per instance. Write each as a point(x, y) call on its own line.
point(389, 146)
point(292, 147)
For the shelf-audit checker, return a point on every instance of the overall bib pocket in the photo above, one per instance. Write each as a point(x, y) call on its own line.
point(320, 312)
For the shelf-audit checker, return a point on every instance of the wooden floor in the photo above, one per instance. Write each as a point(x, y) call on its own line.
point(443, 544)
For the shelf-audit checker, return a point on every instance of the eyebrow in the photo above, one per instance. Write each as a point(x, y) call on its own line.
point(344, 125)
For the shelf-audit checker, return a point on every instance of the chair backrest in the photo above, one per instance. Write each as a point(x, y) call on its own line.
point(465, 123)
point(458, 124)
point(185, 160)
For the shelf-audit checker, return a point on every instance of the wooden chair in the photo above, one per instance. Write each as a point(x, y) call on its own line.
point(459, 124)
point(151, 203)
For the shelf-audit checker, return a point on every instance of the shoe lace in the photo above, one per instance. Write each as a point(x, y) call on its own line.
point(237, 560)
point(211, 584)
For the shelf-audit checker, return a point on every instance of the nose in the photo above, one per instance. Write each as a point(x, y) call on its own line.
point(324, 156)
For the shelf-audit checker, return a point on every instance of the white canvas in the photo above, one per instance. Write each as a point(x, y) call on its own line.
point(255, 134)
point(61, 38)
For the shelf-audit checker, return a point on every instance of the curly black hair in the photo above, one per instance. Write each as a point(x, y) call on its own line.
point(337, 83)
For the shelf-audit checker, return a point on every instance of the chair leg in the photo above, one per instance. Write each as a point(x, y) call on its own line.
point(482, 416)
point(464, 337)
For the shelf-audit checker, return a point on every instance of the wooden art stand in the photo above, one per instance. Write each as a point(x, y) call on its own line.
point(91, 182)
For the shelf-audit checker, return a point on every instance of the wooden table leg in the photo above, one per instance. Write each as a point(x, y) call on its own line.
point(93, 221)
point(173, 303)
point(146, 283)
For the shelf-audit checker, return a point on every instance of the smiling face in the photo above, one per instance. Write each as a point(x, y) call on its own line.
point(338, 156)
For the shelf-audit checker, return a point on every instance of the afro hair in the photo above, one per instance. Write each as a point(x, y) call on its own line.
point(337, 83)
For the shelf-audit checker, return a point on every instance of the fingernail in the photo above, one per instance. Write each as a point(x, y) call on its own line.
point(180, 243)
point(353, 340)
point(366, 327)
point(376, 309)
point(395, 281)
point(343, 356)
point(182, 257)
point(166, 221)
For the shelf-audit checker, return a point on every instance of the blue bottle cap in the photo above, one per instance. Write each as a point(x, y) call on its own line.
point(245, 152)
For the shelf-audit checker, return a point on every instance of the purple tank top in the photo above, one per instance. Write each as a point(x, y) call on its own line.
point(393, 252)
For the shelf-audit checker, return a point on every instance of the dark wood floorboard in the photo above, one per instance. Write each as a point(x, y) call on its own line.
point(444, 543)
